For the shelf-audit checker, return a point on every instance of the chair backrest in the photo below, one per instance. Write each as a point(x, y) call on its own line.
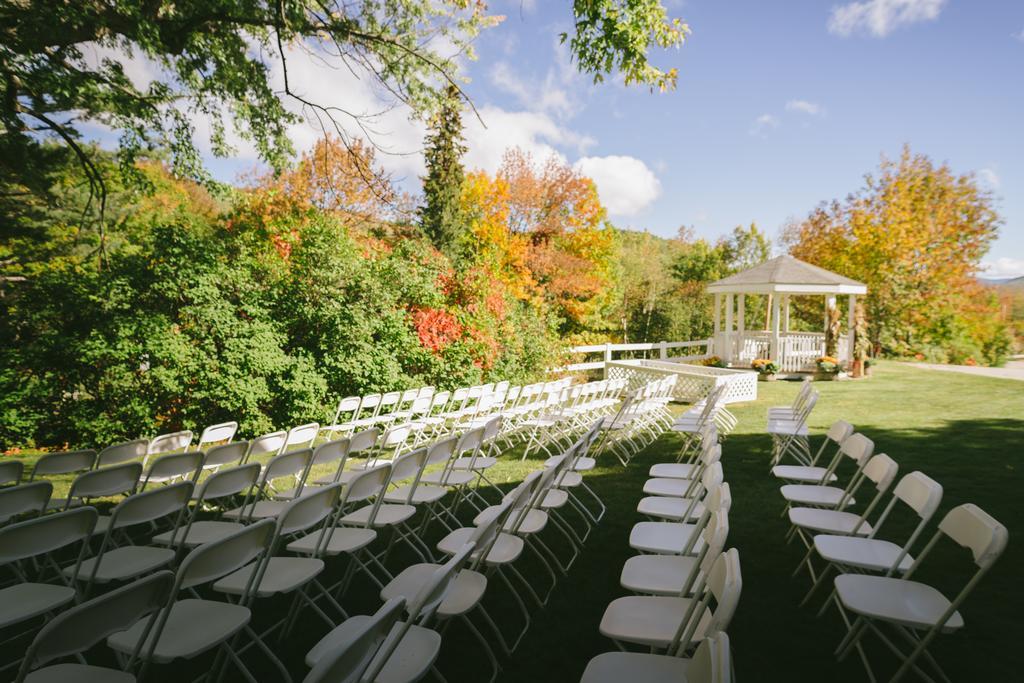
point(882, 470)
point(65, 462)
point(186, 465)
point(920, 492)
point(367, 483)
point(395, 436)
point(486, 534)
point(82, 626)
point(309, 510)
point(215, 559)
point(215, 434)
point(421, 608)
point(289, 464)
point(226, 454)
point(492, 428)
point(150, 506)
point(711, 660)
point(106, 481)
point(331, 452)
point(839, 430)
point(974, 529)
point(724, 583)
point(371, 402)
point(166, 443)
point(24, 498)
point(408, 465)
point(969, 527)
point(348, 663)
point(267, 443)
point(364, 440)
point(11, 471)
point(122, 452)
point(229, 482)
point(45, 534)
point(858, 447)
point(302, 436)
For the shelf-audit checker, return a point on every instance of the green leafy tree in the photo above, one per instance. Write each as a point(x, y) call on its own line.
point(441, 215)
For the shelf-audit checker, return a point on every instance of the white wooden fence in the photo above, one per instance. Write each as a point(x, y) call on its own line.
point(665, 351)
point(693, 382)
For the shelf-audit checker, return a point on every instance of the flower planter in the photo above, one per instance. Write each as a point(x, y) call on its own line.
point(764, 377)
point(820, 376)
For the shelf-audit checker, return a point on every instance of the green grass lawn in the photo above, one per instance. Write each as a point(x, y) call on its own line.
point(964, 431)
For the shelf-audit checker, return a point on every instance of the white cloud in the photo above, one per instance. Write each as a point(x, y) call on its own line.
point(547, 96)
point(1003, 267)
point(805, 107)
point(625, 184)
point(1019, 36)
point(879, 18)
point(533, 132)
point(764, 123)
point(989, 177)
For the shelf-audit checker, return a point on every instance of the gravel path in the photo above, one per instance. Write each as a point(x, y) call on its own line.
point(1013, 369)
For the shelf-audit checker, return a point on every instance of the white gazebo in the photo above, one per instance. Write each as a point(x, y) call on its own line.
point(779, 279)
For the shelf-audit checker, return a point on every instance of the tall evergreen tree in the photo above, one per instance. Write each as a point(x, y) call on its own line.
point(441, 214)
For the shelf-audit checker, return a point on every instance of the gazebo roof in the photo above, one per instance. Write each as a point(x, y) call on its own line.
point(786, 274)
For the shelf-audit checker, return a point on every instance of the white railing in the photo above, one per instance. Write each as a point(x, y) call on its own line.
point(694, 350)
point(693, 382)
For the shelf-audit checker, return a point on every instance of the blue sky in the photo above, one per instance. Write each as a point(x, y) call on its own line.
point(781, 105)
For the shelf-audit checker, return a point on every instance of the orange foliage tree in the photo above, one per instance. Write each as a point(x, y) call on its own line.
point(915, 234)
point(541, 229)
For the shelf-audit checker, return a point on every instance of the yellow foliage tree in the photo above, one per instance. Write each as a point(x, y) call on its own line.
point(915, 234)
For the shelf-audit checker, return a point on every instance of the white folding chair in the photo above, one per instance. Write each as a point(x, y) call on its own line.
point(410, 649)
point(11, 471)
point(683, 508)
point(675, 574)
point(277, 574)
point(78, 629)
point(229, 454)
point(679, 538)
point(676, 624)
point(168, 443)
point(116, 561)
point(329, 454)
point(24, 499)
point(261, 505)
point(360, 442)
point(857, 448)
point(807, 522)
point(122, 452)
point(65, 462)
point(812, 473)
point(184, 466)
point(266, 445)
point(347, 661)
point(219, 486)
point(186, 627)
point(113, 480)
point(344, 415)
point(27, 549)
point(216, 435)
point(850, 554)
point(711, 663)
point(916, 611)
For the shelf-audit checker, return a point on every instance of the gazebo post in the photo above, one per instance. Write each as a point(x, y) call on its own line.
point(850, 324)
point(718, 316)
point(730, 304)
point(741, 312)
point(785, 313)
point(776, 352)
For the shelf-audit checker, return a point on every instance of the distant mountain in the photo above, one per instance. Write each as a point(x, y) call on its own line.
point(1008, 282)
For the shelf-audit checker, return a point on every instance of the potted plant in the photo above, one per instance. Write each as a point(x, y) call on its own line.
point(868, 362)
point(714, 362)
point(766, 369)
point(827, 367)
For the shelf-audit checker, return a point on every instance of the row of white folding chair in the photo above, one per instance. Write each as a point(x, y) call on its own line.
point(724, 419)
point(693, 424)
point(641, 417)
point(682, 571)
point(356, 413)
point(788, 429)
point(567, 414)
point(874, 581)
